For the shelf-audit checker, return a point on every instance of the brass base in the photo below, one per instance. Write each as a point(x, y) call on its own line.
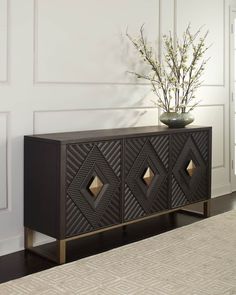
point(206, 210)
point(60, 256)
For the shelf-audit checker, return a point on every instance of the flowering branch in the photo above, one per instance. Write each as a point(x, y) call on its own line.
point(174, 80)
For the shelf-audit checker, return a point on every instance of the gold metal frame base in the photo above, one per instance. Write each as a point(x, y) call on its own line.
point(60, 256)
point(206, 210)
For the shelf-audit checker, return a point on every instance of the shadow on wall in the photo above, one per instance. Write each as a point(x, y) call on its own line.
point(128, 56)
point(120, 118)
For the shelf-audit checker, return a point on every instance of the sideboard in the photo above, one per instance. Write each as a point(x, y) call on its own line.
point(81, 183)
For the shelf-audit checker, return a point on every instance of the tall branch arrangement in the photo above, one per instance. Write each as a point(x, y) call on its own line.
point(176, 77)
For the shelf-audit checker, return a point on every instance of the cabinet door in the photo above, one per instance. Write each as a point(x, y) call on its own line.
point(146, 176)
point(191, 171)
point(93, 181)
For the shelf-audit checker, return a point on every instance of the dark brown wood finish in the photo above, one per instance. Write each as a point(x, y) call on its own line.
point(143, 153)
point(105, 134)
point(85, 161)
point(190, 149)
point(42, 187)
point(60, 167)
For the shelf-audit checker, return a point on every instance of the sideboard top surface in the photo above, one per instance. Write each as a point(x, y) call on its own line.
point(103, 134)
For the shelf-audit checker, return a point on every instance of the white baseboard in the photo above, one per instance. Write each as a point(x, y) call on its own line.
point(221, 190)
point(11, 245)
point(16, 243)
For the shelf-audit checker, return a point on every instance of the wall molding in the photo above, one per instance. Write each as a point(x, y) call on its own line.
point(8, 201)
point(223, 84)
point(36, 80)
point(6, 45)
point(224, 133)
point(87, 110)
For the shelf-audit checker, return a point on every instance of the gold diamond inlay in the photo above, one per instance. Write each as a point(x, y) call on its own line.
point(96, 186)
point(148, 176)
point(191, 168)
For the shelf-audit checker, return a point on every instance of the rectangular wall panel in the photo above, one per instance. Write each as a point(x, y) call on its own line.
point(83, 41)
point(213, 116)
point(3, 39)
point(210, 15)
point(76, 120)
point(3, 160)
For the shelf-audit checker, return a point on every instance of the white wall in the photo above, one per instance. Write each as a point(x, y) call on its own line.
point(62, 67)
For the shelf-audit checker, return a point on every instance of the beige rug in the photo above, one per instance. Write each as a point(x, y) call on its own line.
point(195, 259)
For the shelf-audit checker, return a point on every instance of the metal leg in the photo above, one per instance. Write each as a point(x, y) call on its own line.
point(60, 256)
point(207, 208)
point(29, 235)
point(205, 213)
point(61, 251)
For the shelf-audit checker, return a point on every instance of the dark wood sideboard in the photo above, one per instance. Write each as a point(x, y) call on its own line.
point(80, 183)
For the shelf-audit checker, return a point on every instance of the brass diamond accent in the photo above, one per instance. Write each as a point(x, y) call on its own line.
point(191, 168)
point(148, 176)
point(95, 186)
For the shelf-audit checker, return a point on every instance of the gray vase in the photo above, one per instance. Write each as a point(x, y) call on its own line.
point(176, 120)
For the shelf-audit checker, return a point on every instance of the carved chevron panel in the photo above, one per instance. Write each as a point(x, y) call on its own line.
point(189, 186)
point(76, 155)
point(75, 220)
point(112, 212)
point(132, 149)
point(178, 197)
point(84, 163)
point(132, 208)
point(141, 155)
point(201, 140)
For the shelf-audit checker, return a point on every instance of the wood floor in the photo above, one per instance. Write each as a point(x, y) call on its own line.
point(23, 263)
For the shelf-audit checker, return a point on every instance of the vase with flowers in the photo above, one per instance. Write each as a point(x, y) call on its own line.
point(176, 75)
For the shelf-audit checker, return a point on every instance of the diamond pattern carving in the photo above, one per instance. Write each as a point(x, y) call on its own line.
point(148, 176)
point(145, 178)
point(95, 186)
point(96, 183)
point(189, 173)
point(191, 168)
